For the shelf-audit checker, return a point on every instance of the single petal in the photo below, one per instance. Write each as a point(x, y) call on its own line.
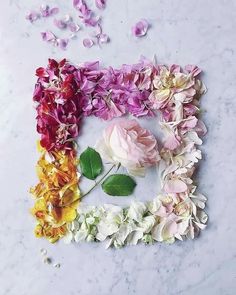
point(175, 186)
point(32, 16)
point(61, 24)
point(73, 27)
point(136, 211)
point(140, 28)
point(101, 4)
point(62, 43)
point(48, 36)
point(88, 43)
point(104, 38)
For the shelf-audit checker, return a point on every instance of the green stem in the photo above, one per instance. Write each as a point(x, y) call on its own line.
point(97, 183)
point(92, 188)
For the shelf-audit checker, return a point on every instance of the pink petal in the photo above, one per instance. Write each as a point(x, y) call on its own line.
point(101, 4)
point(194, 70)
point(87, 15)
point(170, 229)
point(92, 21)
point(189, 123)
point(73, 27)
point(104, 38)
point(60, 24)
point(172, 142)
point(88, 43)
point(62, 43)
point(54, 10)
point(48, 36)
point(78, 4)
point(175, 186)
point(44, 9)
point(140, 28)
point(47, 11)
point(32, 16)
point(174, 68)
point(201, 128)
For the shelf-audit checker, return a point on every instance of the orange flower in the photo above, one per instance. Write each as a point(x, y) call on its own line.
point(57, 193)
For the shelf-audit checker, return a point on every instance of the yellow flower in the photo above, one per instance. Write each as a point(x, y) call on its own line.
point(57, 193)
point(53, 234)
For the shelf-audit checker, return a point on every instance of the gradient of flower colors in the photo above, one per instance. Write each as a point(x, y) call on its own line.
point(64, 95)
point(56, 194)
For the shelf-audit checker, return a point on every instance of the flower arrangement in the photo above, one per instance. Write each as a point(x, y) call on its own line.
point(65, 95)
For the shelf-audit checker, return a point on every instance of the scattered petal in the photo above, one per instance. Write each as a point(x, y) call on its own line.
point(54, 10)
point(62, 43)
point(46, 11)
point(60, 24)
point(73, 27)
point(101, 4)
point(140, 28)
point(32, 16)
point(48, 36)
point(104, 38)
point(88, 43)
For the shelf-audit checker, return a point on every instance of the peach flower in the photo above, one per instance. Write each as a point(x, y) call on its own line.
point(127, 143)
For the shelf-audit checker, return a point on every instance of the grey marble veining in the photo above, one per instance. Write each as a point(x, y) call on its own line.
point(200, 32)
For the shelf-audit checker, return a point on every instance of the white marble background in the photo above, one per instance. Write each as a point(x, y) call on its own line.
point(200, 32)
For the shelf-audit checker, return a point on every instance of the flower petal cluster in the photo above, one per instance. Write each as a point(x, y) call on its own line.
point(59, 108)
point(65, 94)
point(165, 219)
point(56, 194)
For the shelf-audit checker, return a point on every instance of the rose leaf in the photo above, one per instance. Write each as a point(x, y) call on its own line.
point(90, 163)
point(118, 185)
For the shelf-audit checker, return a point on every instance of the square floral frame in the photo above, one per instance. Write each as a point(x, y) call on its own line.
point(65, 95)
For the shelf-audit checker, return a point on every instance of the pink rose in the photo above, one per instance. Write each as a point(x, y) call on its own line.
point(127, 143)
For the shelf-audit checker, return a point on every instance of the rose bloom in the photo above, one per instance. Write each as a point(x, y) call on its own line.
point(127, 143)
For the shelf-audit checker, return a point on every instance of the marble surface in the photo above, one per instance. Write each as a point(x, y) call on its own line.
point(200, 32)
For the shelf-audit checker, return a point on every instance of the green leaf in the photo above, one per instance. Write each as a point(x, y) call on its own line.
point(118, 185)
point(90, 163)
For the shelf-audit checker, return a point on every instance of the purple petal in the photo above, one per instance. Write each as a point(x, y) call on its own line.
point(140, 28)
point(44, 9)
point(60, 23)
point(62, 43)
point(88, 43)
point(91, 21)
point(48, 36)
point(32, 16)
point(77, 4)
point(87, 16)
point(47, 11)
point(73, 27)
point(104, 38)
point(101, 4)
point(54, 11)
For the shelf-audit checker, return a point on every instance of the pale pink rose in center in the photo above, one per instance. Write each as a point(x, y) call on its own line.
point(127, 143)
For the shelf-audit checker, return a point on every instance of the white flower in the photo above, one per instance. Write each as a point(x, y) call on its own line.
point(136, 211)
point(109, 222)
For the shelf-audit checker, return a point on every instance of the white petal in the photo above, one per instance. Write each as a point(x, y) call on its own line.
point(136, 211)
